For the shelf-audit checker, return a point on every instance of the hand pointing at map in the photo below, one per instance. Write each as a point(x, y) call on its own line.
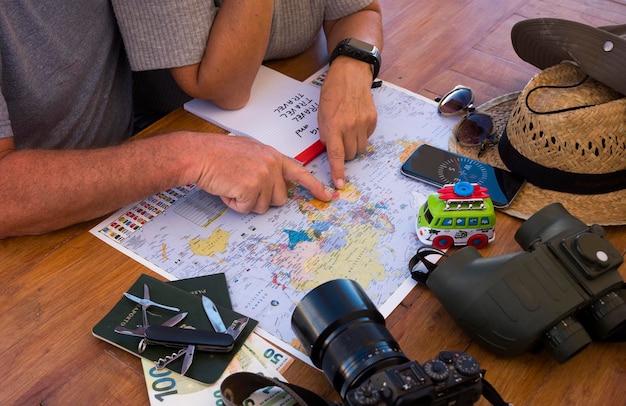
point(254, 181)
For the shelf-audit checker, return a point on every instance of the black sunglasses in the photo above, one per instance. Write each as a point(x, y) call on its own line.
point(475, 128)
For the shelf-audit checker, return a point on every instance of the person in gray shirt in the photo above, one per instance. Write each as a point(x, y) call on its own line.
point(65, 110)
point(214, 49)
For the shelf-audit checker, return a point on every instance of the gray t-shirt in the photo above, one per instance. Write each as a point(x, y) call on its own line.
point(166, 34)
point(64, 78)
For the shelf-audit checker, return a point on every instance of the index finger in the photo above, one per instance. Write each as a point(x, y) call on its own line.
point(336, 160)
point(294, 172)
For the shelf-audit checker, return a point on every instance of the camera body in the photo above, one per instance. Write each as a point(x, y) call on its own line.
point(451, 378)
point(345, 336)
point(557, 293)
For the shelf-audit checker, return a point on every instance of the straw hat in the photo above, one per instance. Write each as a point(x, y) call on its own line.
point(600, 52)
point(566, 133)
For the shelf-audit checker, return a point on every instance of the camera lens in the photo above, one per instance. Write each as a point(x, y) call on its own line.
point(566, 339)
point(344, 334)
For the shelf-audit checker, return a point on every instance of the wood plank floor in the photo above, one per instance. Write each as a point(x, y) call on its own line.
point(452, 42)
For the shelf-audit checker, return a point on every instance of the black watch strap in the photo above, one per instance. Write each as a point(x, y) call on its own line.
point(360, 50)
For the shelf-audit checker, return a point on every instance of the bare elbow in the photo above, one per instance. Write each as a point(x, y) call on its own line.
point(232, 102)
point(227, 94)
point(228, 100)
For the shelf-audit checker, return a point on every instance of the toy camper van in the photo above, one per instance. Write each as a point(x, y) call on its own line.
point(458, 214)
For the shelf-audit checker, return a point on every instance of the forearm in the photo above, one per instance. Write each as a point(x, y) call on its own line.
point(347, 115)
point(365, 25)
point(44, 190)
point(235, 50)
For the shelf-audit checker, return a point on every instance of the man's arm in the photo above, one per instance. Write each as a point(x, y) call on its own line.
point(347, 115)
point(234, 52)
point(43, 190)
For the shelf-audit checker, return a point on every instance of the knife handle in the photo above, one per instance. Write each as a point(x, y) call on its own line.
point(204, 340)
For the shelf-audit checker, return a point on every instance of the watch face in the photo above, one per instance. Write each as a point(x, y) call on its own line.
point(360, 44)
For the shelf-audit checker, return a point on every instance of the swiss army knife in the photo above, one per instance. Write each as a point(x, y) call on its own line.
point(187, 339)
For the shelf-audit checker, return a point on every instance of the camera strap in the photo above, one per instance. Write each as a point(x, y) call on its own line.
point(236, 388)
point(421, 257)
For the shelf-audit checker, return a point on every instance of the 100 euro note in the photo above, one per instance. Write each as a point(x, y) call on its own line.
point(166, 387)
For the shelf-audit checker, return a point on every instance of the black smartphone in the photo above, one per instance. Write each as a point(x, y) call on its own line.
point(437, 167)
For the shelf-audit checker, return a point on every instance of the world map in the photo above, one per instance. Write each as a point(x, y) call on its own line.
point(366, 233)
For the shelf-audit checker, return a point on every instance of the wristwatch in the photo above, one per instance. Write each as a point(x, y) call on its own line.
point(360, 50)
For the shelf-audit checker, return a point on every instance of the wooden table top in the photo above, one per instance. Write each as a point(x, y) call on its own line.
point(54, 288)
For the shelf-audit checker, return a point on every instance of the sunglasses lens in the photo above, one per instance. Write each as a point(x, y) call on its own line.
point(456, 101)
point(474, 129)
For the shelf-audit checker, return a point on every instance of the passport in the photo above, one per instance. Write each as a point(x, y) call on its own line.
point(185, 294)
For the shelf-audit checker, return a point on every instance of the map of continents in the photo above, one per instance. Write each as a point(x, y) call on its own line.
point(367, 233)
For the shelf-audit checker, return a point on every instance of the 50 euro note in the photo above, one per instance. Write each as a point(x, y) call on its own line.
point(166, 387)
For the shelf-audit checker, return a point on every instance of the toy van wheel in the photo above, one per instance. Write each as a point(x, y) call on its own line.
point(478, 240)
point(443, 242)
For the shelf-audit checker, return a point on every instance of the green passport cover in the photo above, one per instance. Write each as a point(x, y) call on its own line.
point(212, 286)
point(206, 367)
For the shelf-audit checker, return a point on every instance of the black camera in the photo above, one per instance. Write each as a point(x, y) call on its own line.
point(560, 293)
point(345, 336)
